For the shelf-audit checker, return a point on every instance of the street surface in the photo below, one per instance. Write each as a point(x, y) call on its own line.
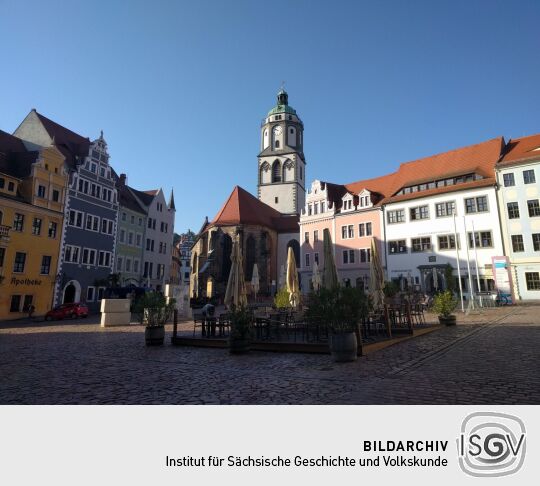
point(491, 357)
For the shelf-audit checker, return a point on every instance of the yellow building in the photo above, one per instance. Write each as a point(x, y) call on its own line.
point(32, 194)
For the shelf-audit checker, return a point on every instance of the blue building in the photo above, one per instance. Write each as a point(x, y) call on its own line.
point(87, 250)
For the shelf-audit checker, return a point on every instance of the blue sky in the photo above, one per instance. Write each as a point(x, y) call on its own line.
point(180, 88)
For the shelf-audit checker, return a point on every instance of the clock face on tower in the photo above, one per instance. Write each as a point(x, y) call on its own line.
point(278, 131)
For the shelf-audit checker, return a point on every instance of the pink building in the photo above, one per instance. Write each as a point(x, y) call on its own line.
point(353, 215)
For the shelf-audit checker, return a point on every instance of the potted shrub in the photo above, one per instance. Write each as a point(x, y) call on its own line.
point(155, 312)
point(341, 309)
point(240, 336)
point(444, 304)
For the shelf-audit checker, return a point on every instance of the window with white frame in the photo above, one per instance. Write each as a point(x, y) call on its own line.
point(104, 259)
point(447, 242)
point(482, 239)
point(75, 218)
point(92, 222)
point(477, 204)
point(421, 244)
point(306, 257)
point(88, 256)
point(419, 212)
point(348, 257)
point(365, 255)
point(71, 254)
point(397, 246)
point(396, 216)
point(443, 209)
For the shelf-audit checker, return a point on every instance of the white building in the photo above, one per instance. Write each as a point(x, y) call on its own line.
point(419, 228)
point(158, 238)
point(518, 177)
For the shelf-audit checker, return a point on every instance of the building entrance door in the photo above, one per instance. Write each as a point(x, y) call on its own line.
point(69, 294)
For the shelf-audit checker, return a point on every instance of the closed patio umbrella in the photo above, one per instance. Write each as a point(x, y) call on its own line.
point(292, 279)
point(376, 277)
point(255, 280)
point(330, 277)
point(316, 277)
point(236, 289)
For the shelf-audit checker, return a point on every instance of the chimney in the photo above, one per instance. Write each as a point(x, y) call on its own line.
point(123, 179)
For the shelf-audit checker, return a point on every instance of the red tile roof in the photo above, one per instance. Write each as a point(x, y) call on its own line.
point(242, 207)
point(521, 149)
point(479, 158)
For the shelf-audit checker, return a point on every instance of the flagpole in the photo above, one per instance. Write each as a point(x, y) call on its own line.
point(457, 264)
point(471, 282)
point(476, 262)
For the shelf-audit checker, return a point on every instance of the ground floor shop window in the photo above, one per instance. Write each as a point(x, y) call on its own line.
point(15, 303)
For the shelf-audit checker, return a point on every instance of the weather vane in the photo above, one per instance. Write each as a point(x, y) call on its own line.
point(283, 85)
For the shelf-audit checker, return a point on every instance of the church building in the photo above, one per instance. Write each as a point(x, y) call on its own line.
point(266, 226)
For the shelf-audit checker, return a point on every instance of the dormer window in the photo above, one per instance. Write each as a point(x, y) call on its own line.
point(322, 207)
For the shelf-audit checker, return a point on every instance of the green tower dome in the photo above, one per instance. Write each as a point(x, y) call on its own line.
point(282, 104)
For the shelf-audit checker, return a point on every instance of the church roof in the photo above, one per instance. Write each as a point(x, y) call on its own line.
point(242, 207)
point(521, 149)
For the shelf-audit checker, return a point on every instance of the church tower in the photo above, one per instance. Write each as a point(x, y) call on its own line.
point(282, 172)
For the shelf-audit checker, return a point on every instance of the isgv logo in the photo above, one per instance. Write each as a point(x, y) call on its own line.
point(491, 444)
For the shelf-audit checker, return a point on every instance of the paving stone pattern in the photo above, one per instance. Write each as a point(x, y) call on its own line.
point(488, 358)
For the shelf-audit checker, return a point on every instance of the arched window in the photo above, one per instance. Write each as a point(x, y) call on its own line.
point(226, 245)
point(276, 171)
point(250, 257)
point(296, 250)
point(277, 143)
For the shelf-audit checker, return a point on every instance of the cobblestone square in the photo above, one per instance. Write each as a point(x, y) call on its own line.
point(488, 358)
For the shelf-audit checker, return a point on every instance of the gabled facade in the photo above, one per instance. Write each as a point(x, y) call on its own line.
point(158, 237)
point(518, 178)
point(353, 216)
point(91, 210)
point(32, 192)
point(132, 221)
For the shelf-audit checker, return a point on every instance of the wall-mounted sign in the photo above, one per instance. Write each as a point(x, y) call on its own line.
point(25, 281)
point(503, 279)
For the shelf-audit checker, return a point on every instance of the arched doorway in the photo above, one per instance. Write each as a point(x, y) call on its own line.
point(72, 292)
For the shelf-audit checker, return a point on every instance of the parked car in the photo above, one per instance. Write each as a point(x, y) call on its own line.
point(66, 311)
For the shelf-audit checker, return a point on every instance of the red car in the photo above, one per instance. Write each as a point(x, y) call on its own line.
point(66, 311)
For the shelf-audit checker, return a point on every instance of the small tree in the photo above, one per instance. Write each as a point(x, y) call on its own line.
point(449, 277)
point(390, 288)
point(340, 308)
